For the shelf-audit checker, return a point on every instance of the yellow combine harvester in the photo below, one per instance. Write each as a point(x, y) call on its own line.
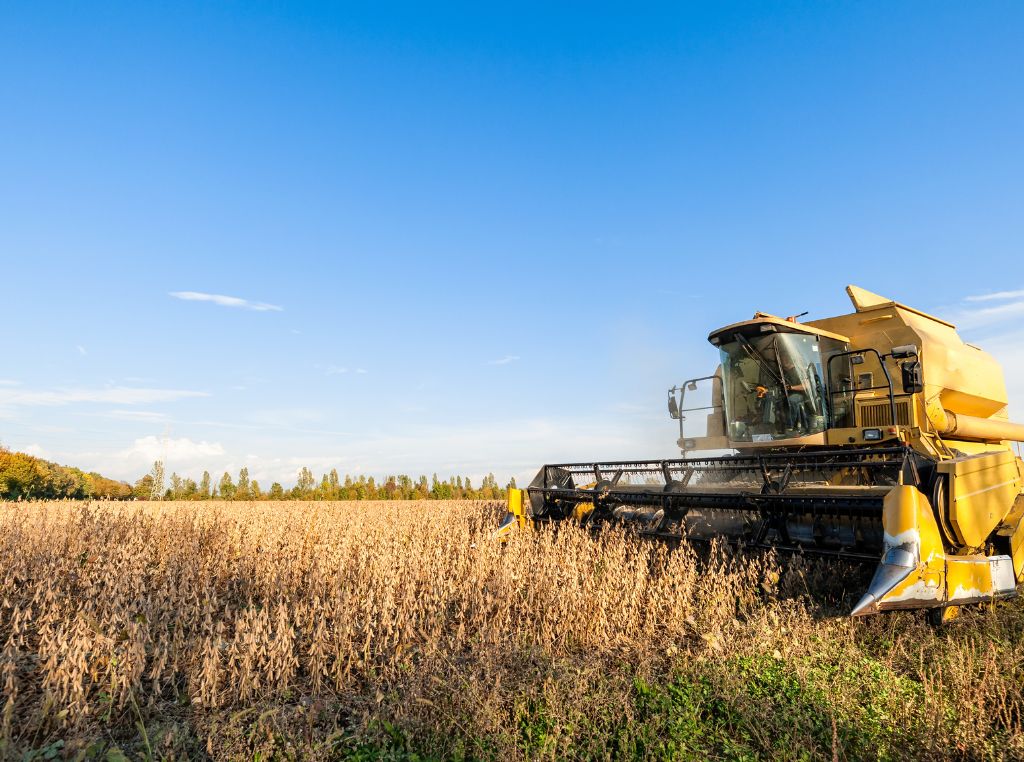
point(874, 435)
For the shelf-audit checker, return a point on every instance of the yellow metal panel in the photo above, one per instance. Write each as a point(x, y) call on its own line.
point(982, 491)
point(975, 578)
point(582, 510)
point(1017, 551)
point(517, 506)
point(908, 522)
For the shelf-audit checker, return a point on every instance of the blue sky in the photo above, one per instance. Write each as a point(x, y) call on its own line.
point(483, 237)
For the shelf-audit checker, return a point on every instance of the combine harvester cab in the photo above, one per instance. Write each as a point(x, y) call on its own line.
point(877, 436)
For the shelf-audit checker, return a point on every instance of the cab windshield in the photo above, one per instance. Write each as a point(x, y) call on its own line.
point(774, 385)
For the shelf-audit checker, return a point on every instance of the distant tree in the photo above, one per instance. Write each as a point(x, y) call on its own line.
point(255, 490)
point(143, 489)
point(177, 486)
point(276, 491)
point(306, 482)
point(204, 486)
point(108, 489)
point(242, 490)
point(441, 490)
point(333, 480)
point(226, 487)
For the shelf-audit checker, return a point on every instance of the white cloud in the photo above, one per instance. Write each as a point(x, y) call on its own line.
point(990, 315)
point(361, 371)
point(36, 450)
point(987, 310)
point(226, 301)
point(335, 370)
point(996, 296)
point(81, 350)
point(116, 395)
point(504, 360)
point(9, 382)
point(172, 450)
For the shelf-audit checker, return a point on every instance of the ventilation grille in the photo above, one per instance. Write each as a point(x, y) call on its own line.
point(878, 414)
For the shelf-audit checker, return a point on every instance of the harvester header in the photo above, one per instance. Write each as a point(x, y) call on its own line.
point(878, 435)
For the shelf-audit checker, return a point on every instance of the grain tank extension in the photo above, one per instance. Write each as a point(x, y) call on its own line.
point(877, 436)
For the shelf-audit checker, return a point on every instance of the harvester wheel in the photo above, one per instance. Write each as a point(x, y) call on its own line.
point(943, 616)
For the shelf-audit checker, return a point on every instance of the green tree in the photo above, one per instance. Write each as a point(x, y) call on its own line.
point(143, 489)
point(441, 490)
point(276, 491)
point(306, 482)
point(204, 486)
point(226, 487)
point(242, 489)
point(177, 486)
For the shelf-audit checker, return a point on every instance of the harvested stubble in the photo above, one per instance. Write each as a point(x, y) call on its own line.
point(354, 629)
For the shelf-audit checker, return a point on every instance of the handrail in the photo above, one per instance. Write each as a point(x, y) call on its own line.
point(885, 372)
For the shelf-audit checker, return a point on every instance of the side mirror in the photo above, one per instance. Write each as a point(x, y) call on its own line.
point(913, 377)
point(673, 407)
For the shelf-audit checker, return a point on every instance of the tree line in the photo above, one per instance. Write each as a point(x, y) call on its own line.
point(331, 486)
point(26, 477)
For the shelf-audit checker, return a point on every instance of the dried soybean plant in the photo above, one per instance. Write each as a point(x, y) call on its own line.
point(112, 613)
point(229, 603)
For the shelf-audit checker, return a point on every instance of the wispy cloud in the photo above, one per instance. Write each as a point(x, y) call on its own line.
point(980, 317)
point(504, 360)
point(9, 382)
point(81, 350)
point(141, 416)
point(226, 301)
point(117, 395)
point(994, 311)
point(996, 296)
point(361, 371)
point(335, 370)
